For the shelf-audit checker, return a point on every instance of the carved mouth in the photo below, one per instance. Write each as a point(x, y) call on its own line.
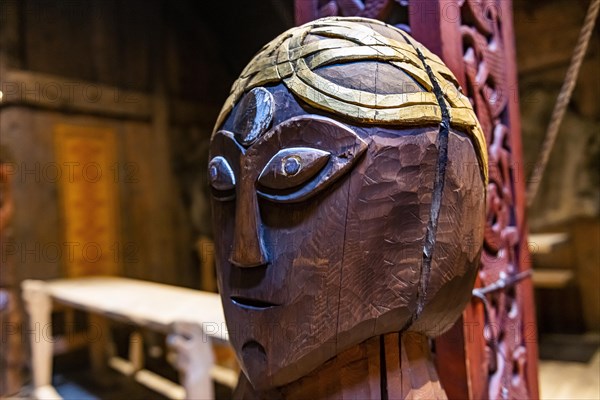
point(253, 304)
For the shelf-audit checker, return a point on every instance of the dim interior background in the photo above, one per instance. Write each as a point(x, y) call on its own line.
point(147, 78)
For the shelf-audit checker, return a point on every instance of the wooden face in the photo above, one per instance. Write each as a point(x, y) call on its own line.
point(320, 228)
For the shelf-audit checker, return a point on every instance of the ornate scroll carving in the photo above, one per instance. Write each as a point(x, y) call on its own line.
point(484, 54)
point(313, 9)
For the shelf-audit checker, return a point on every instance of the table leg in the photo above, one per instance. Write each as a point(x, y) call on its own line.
point(38, 304)
point(136, 350)
point(98, 335)
point(194, 359)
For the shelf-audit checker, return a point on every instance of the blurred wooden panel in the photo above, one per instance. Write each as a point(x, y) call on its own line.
point(108, 41)
point(53, 92)
point(56, 38)
point(538, 47)
point(88, 199)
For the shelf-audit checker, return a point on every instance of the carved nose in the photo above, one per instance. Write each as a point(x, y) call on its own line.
point(248, 248)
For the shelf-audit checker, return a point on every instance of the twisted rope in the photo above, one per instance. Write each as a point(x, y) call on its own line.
point(563, 100)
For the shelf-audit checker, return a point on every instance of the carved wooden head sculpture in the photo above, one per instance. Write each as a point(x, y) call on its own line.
point(348, 176)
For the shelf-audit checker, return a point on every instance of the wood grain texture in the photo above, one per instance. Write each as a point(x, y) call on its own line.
point(378, 243)
point(390, 366)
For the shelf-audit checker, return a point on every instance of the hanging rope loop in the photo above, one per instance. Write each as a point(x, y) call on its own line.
point(562, 101)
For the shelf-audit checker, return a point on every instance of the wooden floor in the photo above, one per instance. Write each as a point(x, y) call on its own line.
point(570, 380)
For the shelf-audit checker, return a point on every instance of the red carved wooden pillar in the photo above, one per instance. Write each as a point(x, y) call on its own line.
point(492, 352)
point(11, 357)
point(498, 333)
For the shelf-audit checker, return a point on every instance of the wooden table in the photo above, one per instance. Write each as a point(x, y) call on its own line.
point(191, 318)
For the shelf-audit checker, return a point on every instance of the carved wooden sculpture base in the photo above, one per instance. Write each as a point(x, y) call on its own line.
point(391, 366)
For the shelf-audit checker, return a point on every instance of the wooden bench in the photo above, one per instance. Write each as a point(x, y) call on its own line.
point(192, 319)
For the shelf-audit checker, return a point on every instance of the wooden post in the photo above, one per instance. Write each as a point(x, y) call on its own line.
point(39, 308)
point(194, 359)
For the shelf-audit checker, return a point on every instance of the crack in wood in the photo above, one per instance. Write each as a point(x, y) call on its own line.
point(438, 188)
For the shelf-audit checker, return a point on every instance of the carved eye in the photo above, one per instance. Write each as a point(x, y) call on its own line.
point(221, 177)
point(317, 151)
point(291, 167)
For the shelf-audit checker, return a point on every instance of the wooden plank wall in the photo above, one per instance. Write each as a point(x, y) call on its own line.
point(156, 73)
point(98, 65)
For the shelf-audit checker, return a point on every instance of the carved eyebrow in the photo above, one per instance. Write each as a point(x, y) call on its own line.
point(224, 154)
point(313, 132)
point(308, 130)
